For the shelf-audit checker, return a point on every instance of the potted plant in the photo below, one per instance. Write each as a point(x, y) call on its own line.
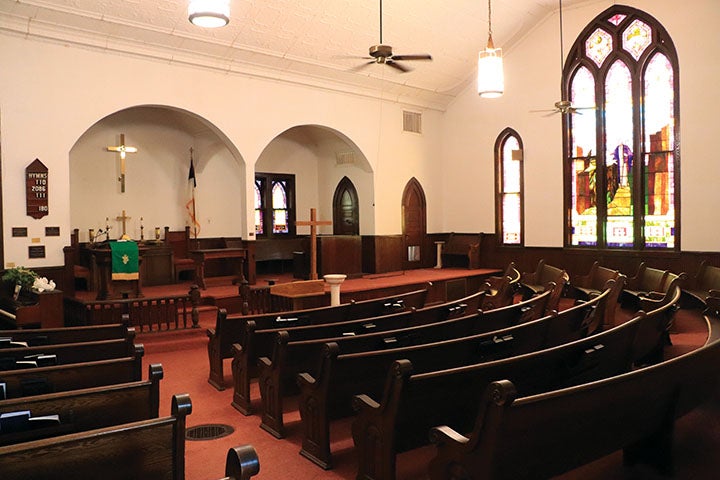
point(21, 279)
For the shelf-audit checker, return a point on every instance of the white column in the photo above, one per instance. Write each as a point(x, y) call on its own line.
point(438, 246)
point(334, 279)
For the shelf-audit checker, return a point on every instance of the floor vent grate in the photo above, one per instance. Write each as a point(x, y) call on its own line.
point(208, 431)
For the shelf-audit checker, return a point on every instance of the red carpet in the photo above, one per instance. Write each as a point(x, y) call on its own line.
point(184, 358)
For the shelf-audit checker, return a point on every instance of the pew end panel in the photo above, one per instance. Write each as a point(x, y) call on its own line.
point(699, 287)
point(241, 463)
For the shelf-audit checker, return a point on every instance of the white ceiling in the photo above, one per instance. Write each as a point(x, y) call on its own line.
point(303, 41)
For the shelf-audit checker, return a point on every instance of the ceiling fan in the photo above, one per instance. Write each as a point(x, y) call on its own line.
point(563, 106)
point(383, 54)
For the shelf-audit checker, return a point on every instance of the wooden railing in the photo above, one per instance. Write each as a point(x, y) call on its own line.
point(256, 300)
point(146, 313)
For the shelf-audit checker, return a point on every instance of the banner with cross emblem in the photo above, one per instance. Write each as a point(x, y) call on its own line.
point(125, 260)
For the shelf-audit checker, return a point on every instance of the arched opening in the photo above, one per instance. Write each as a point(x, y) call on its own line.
point(346, 210)
point(414, 227)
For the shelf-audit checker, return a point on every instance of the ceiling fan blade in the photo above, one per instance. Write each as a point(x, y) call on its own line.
point(424, 56)
point(397, 66)
point(351, 57)
point(361, 66)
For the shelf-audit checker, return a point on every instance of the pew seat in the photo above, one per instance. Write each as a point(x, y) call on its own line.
point(543, 435)
point(700, 286)
point(151, 449)
point(647, 282)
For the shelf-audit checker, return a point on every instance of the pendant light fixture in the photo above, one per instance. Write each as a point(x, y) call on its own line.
point(209, 13)
point(491, 81)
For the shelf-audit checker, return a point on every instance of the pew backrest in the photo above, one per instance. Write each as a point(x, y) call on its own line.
point(66, 353)
point(89, 408)
point(21, 383)
point(49, 336)
point(147, 449)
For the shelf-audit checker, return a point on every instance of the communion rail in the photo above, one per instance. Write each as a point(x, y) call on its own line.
point(145, 313)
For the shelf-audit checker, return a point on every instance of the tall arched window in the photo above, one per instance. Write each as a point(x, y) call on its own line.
point(509, 205)
point(274, 204)
point(622, 154)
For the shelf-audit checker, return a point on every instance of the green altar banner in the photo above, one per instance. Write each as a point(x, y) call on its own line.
point(125, 260)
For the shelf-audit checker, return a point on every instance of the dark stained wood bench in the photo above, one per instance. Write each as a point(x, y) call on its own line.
point(328, 394)
point(532, 283)
point(501, 289)
point(585, 286)
point(413, 402)
point(66, 353)
point(647, 281)
point(230, 329)
point(49, 336)
point(700, 286)
point(277, 374)
point(88, 408)
point(262, 343)
point(147, 449)
point(60, 378)
point(540, 436)
point(462, 250)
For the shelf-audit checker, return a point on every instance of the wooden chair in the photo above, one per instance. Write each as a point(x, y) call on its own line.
point(179, 242)
point(80, 272)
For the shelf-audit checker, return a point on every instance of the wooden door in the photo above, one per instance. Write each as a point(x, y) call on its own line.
point(346, 212)
point(414, 224)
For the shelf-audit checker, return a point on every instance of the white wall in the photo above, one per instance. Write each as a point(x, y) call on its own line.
point(52, 94)
point(532, 74)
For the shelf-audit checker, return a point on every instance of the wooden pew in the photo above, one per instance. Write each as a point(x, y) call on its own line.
point(532, 283)
point(230, 329)
point(328, 395)
point(543, 435)
point(60, 378)
point(645, 281)
point(700, 286)
point(412, 403)
point(261, 343)
point(147, 449)
point(49, 336)
point(585, 286)
point(501, 289)
point(66, 353)
point(88, 408)
point(277, 374)
point(242, 463)
point(462, 250)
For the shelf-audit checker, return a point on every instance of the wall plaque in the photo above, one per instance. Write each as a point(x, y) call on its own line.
point(19, 231)
point(36, 251)
point(52, 231)
point(36, 189)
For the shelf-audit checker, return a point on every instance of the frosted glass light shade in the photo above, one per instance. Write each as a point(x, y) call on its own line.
point(491, 80)
point(209, 13)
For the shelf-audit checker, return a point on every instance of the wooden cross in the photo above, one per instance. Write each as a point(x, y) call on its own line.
point(123, 149)
point(123, 218)
point(313, 223)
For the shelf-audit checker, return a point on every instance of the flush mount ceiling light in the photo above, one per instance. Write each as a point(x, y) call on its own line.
point(491, 81)
point(209, 13)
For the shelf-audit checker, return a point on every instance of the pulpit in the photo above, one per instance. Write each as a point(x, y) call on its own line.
point(107, 288)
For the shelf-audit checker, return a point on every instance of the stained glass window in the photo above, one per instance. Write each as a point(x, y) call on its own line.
point(583, 158)
point(509, 189)
point(280, 207)
point(274, 200)
point(636, 38)
point(621, 158)
point(598, 46)
point(259, 208)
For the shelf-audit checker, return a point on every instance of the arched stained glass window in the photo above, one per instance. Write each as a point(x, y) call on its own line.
point(274, 204)
point(259, 207)
point(622, 155)
point(509, 187)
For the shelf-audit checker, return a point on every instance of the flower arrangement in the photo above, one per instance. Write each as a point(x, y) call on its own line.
point(20, 276)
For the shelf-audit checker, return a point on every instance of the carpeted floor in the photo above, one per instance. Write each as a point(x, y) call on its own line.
point(183, 355)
